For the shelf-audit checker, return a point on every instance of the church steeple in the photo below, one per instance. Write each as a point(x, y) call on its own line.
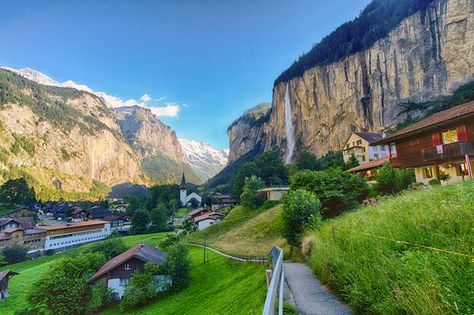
point(183, 182)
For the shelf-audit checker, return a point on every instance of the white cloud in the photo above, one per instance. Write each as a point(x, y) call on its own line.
point(145, 98)
point(170, 110)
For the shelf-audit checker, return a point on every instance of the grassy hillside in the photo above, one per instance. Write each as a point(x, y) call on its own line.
point(30, 271)
point(241, 288)
point(378, 275)
point(220, 286)
point(245, 232)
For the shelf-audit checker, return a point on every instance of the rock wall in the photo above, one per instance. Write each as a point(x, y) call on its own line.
point(429, 54)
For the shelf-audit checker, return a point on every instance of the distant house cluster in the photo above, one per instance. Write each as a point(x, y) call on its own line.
point(203, 218)
point(440, 146)
point(66, 225)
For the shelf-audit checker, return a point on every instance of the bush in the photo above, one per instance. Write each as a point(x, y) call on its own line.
point(434, 182)
point(64, 287)
point(109, 248)
point(336, 189)
point(15, 254)
point(250, 196)
point(391, 180)
point(179, 264)
point(139, 290)
point(300, 208)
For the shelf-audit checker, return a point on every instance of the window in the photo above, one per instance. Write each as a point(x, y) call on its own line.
point(449, 136)
point(376, 156)
point(127, 267)
point(427, 172)
point(363, 158)
point(393, 150)
point(359, 142)
point(123, 282)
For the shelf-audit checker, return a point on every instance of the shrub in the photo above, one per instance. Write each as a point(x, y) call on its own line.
point(391, 180)
point(64, 287)
point(434, 182)
point(15, 254)
point(179, 264)
point(300, 208)
point(250, 196)
point(109, 248)
point(336, 190)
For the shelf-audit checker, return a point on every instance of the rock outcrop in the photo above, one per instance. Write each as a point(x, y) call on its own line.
point(248, 131)
point(428, 55)
point(63, 139)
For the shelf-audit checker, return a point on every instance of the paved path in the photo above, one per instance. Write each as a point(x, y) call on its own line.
point(308, 294)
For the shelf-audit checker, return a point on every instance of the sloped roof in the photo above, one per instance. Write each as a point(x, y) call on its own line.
point(205, 216)
point(24, 222)
point(370, 137)
point(196, 211)
point(445, 116)
point(141, 251)
point(371, 164)
point(70, 225)
point(98, 213)
point(4, 274)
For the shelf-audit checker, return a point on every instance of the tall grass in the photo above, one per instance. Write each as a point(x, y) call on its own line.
point(376, 275)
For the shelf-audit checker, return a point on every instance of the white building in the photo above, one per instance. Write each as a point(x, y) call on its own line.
point(69, 235)
point(361, 145)
point(183, 194)
point(206, 220)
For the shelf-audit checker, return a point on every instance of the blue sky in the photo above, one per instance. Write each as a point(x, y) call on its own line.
point(210, 59)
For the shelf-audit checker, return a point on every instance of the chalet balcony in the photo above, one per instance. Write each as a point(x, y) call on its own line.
point(449, 151)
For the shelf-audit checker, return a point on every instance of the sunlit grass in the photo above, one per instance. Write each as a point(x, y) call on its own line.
point(381, 276)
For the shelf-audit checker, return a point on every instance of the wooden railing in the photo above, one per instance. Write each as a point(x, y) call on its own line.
point(449, 151)
point(275, 289)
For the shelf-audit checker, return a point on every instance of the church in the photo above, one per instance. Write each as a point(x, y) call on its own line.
point(183, 194)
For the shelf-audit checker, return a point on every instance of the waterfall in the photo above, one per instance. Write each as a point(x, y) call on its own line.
point(290, 134)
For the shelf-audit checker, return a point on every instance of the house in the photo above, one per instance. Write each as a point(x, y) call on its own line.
point(21, 212)
point(207, 219)
point(33, 239)
point(79, 215)
point(65, 236)
point(196, 212)
point(25, 223)
point(4, 278)
point(119, 222)
point(362, 146)
point(438, 146)
point(118, 271)
point(98, 213)
point(369, 169)
point(184, 198)
point(273, 193)
point(220, 201)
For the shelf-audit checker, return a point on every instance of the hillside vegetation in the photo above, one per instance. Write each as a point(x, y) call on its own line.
point(245, 232)
point(372, 259)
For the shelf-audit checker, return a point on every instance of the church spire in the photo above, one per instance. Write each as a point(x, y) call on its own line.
point(183, 182)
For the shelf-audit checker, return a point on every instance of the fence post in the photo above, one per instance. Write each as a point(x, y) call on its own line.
point(270, 301)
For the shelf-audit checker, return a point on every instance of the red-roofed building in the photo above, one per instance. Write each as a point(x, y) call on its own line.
point(118, 271)
point(369, 169)
point(207, 219)
point(442, 144)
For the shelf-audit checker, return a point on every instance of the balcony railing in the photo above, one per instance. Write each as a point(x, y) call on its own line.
point(449, 151)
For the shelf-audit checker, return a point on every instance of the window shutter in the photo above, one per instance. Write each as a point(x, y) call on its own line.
point(462, 133)
point(436, 139)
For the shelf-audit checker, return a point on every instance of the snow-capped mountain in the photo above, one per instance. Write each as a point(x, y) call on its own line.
point(203, 158)
point(41, 78)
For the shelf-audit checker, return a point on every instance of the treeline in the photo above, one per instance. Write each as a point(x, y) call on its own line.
point(373, 23)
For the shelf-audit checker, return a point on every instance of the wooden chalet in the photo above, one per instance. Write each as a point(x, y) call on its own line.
point(442, 144)
point(117, 272)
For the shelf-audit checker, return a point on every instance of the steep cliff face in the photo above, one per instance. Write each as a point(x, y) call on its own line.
point(147, 134)
point(248, 131)
point(64, 139)
point(157, 145)
point(428, 55)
